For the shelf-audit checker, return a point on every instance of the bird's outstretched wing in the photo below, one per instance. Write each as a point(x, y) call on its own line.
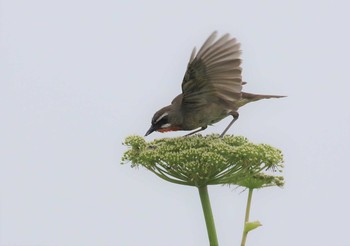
point(213, 74)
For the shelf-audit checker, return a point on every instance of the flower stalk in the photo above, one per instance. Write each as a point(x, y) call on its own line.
point(246, 219)
point(208, 215)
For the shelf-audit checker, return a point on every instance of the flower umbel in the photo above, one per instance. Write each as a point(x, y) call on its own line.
point(202, 160)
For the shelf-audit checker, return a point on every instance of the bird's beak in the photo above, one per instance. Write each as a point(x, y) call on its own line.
point(150, 130)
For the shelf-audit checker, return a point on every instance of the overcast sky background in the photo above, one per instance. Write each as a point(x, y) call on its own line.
point(77, 77)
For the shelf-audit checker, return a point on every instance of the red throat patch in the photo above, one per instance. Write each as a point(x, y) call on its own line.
point(171, 129)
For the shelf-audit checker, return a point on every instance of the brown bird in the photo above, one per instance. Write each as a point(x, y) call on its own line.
point(211, 89)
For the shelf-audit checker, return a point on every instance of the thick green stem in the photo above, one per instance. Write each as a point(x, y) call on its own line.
point(246, 219)
point(208, 215)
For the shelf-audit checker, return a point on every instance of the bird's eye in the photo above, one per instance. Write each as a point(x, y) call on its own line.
point(163, 120)
point(162, 117)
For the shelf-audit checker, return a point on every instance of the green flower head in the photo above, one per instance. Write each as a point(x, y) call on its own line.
point(202, 160)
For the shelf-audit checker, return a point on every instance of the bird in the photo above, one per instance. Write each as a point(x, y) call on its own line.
point(211, 89)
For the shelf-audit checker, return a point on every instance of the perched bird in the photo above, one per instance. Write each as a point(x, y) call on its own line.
point(211, 89)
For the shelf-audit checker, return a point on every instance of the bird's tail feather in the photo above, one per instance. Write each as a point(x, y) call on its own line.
point(250, 97)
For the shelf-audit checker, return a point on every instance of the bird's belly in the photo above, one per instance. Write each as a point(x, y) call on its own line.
point(204, 117)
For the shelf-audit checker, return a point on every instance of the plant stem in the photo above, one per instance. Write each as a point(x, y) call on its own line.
point(246, 219)
point(208, 215)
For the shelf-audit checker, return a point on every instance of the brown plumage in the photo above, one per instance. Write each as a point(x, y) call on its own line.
point(211, 89)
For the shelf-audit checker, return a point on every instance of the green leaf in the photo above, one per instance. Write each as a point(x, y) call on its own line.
point(251, 226)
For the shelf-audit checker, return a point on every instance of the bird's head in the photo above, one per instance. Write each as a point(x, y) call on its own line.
point(164, 121)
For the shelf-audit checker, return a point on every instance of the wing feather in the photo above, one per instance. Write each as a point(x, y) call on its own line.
point(213, 74)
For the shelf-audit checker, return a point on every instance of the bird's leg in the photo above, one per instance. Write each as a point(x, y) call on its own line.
point(235, 117)
point(200, 129)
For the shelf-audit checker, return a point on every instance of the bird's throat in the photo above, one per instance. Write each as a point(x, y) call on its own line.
point(170, 129)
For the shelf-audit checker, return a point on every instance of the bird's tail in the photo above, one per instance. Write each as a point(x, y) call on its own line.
point(250, 97)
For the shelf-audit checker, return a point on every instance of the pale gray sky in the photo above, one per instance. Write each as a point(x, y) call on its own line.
point(77, 77)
